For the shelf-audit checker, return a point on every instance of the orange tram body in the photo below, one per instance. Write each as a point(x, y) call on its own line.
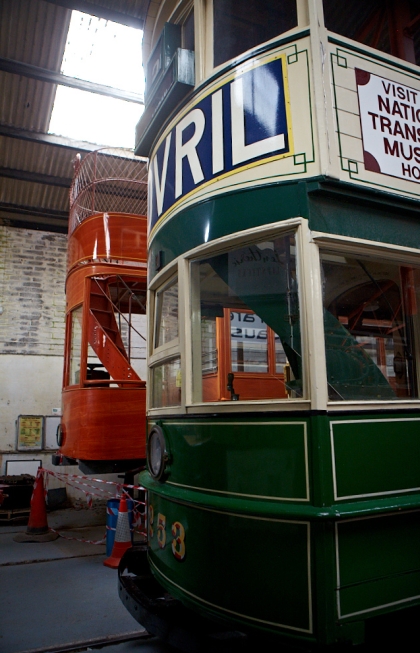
point(104, 397)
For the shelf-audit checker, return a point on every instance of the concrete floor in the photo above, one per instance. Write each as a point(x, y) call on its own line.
point(56, 593)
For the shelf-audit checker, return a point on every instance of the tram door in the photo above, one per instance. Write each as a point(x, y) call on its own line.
point(243, 357)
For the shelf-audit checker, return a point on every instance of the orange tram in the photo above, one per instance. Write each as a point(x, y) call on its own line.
point(102, 427)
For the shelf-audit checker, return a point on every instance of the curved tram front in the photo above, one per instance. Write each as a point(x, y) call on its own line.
point(284, 338)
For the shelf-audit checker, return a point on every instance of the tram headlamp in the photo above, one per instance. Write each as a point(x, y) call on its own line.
point(157, 455)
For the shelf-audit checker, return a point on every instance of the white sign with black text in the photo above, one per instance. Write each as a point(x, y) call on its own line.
point(390, 120)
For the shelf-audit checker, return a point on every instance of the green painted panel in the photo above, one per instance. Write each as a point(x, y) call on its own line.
point(380, 593)
point(379, 561)
point(226, 214)
point(354, 216)
point(243, 457)
point(376, 456)
point(227, 556)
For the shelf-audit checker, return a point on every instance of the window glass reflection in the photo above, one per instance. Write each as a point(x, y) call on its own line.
point(167, 384)
point(371, 328)
point(167, 314)
point(237, 29)
point(75, 346)
point(392, 27)
point(247, 323)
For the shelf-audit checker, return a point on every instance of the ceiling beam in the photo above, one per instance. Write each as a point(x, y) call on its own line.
point(27, 222)
point(101, 12)
point(30, 213)
point(36, 177)
point(60, 141)
point(52, 77)
point(22, 221)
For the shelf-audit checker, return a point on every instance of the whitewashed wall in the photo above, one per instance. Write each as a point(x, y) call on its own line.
point(32, 301)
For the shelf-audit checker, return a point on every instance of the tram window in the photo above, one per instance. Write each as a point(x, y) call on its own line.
point(281, 359)
point(238, 28)
point(167, 384)
point(166, 314)
point(75, 346)
point(415, 30)
point(246, 323)
point(248, 343)
point(390, 27)
point(188, 32)
point(95, 370)
point(132, 334)
point(372, 328)
point(129, 300)
point(209, 345)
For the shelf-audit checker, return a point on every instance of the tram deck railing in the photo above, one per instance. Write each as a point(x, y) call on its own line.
point(106, 181)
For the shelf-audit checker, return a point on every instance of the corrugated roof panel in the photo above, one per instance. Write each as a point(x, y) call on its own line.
point(23, 193)
point(136, 8)
point(25, 103)
point(33, 31)
point(36, 157)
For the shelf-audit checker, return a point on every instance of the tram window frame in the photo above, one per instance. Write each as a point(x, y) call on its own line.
point(188, 29)
point(399, 259)
point(162, 355)
point(76, 313)
point(182, 267)
point(161, 388)
point(379, 26)
point(177, 12)
point(259, 237)
point(181, 15)
point(223, 59)
point(158, 306)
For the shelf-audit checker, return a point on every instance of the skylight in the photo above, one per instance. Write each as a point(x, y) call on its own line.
point(103, 52)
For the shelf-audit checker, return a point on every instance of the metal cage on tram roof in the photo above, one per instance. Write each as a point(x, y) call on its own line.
point(106, 180)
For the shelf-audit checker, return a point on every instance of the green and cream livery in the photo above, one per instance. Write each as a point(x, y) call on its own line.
point(284, 314)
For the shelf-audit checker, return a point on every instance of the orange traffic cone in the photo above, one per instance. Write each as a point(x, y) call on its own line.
point(37, 529)
point(122, 540)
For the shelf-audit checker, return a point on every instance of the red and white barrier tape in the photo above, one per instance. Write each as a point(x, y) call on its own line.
point(93, 491)
point(73, 481)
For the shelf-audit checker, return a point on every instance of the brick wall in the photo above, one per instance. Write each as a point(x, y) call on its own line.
point(32, 295)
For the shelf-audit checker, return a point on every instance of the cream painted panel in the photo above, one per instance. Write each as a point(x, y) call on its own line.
point(352, 149)
point(300, 101)
point(348, 123)
point(346, 97)
point(343, 73)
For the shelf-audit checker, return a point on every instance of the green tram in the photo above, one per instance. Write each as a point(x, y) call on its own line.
point(283, 476)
